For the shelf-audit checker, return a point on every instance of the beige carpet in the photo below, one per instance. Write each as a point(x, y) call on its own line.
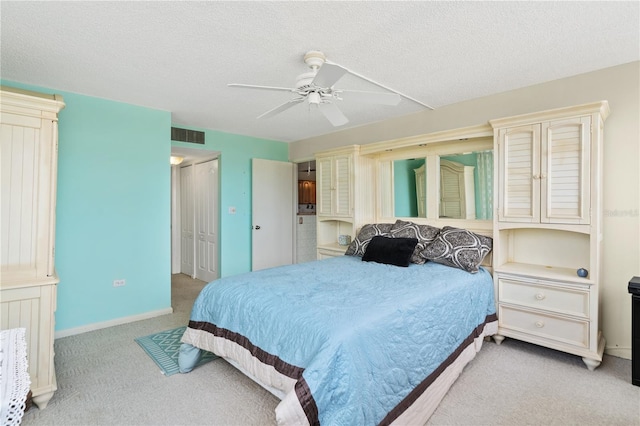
point(105, 378)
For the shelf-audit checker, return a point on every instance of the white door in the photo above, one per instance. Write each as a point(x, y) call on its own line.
point(272, 188)
point(186, 220)
point(206, 220)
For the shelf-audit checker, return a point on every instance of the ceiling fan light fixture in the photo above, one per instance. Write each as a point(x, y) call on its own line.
point(314, 98)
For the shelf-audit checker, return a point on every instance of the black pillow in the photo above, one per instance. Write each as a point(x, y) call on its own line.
point(391, 251)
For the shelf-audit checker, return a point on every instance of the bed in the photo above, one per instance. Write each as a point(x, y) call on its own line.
point(342, 341)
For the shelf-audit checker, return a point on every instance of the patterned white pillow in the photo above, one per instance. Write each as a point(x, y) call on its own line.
point(359, 245)
point(459, 248)
point(425, 234)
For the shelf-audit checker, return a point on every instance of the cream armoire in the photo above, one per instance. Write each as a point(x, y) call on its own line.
point(547, 244)
point(28, 280)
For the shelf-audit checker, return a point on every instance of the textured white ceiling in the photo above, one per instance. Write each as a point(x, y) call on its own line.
point(179, 56)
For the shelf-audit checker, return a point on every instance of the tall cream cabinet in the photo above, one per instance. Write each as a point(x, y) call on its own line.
point(548, 226)
point(28, 280)
point(344, 197)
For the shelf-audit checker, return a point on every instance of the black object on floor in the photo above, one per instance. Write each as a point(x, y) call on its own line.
point(634, 289)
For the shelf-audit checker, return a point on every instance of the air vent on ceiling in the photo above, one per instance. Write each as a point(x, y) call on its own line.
point(186, 135)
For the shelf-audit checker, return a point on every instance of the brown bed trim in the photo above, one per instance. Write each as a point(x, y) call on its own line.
point(307, 402)
point(282, 367)
point(303, 392)
point(411, 398)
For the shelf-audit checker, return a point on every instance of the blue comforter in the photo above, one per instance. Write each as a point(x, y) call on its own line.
point(361, 335)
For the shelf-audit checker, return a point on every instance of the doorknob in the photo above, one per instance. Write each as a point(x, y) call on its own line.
point(257, 227)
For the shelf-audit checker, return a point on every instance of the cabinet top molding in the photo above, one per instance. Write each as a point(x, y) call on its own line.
point(478, 131)
point(25, 101)
point(349, 149)
point(601, 108)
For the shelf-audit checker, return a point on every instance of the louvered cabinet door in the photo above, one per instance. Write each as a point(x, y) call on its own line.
point(565, 171)
point(451, 193)
point(519, 180)
point(342, 186)
point(324, 186)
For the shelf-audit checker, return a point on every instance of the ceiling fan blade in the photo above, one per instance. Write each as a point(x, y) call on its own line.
point(280, 108)
point(333, 113)
point(328, 75)
point(372, 97)
point(253, 86)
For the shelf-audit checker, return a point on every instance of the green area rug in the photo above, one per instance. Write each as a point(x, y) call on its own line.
point(164, 348)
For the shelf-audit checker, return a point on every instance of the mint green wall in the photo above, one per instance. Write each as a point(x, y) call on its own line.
point(113, 207)
point(235, 191)
point(113, 210)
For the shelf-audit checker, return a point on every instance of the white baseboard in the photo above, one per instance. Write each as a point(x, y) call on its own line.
point(619, 352)
point(111, 323)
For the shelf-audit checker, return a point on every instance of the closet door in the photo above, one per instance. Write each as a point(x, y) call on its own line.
point(186, 221)
point(206, 220)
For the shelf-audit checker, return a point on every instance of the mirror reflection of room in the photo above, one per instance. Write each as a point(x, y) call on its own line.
point(465, 186)
point(410, 188)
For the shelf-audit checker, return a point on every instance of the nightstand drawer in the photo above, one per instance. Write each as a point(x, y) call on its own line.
point(574, 332)
point(548, 297)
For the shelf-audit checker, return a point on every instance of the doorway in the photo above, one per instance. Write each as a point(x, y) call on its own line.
point(306, 239)
point(195, 214)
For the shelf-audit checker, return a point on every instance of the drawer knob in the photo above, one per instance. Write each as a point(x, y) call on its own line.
point(540, 296)
point(539, 324)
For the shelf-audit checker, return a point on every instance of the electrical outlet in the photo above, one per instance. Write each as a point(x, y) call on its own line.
point(119, 283)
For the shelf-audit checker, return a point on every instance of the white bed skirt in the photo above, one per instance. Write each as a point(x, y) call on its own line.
point(289, 411)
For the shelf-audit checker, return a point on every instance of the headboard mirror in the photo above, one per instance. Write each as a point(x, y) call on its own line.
point(410, 188)
point(466, 185)
point(445, 182)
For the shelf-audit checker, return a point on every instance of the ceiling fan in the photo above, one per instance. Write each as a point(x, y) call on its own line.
point(316, 88)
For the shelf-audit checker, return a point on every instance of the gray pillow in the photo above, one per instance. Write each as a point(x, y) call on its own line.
point(425, 234)
point(359, 245)
point(458, 248)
